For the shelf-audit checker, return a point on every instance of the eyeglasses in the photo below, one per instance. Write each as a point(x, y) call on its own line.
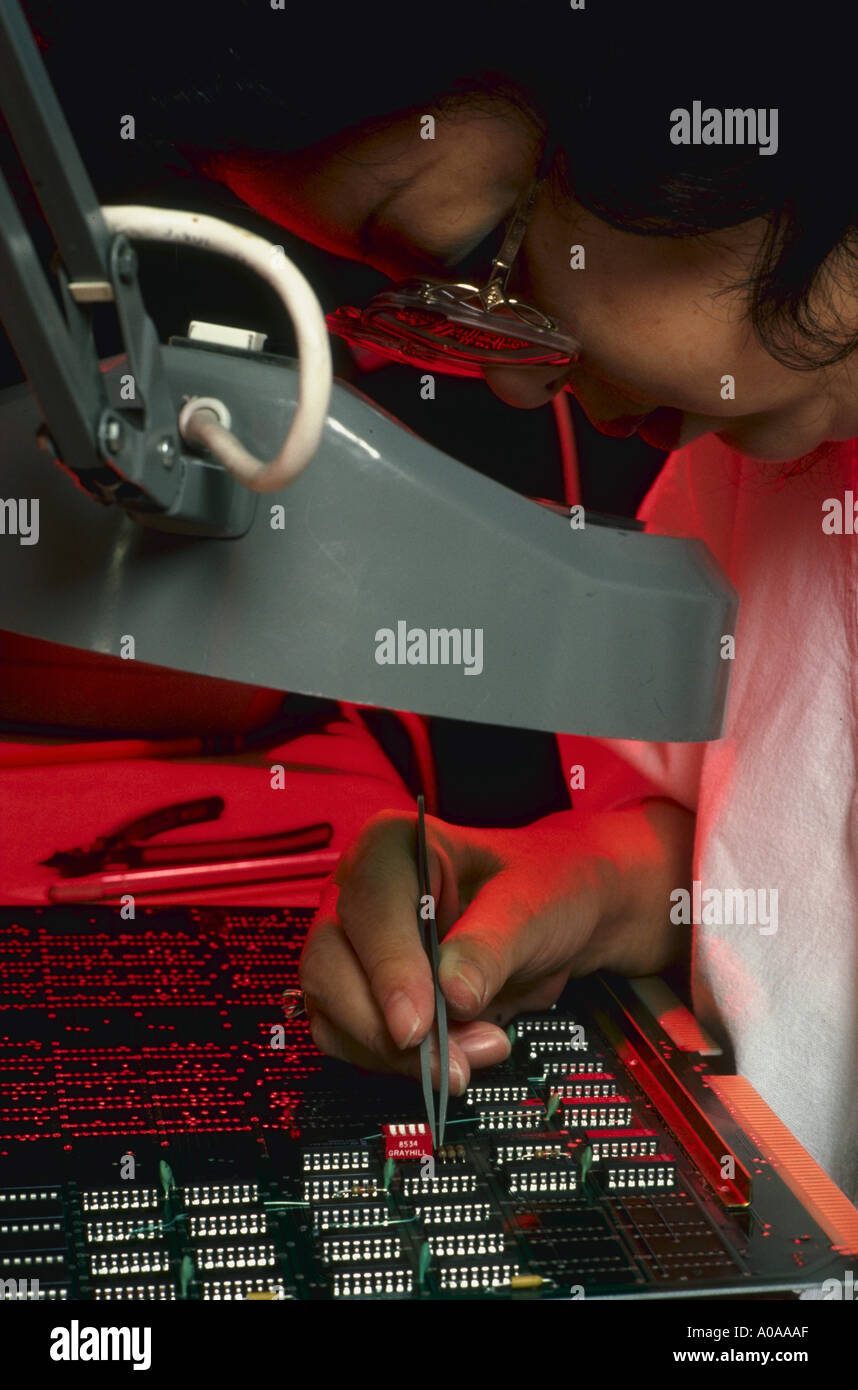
point(458, 328)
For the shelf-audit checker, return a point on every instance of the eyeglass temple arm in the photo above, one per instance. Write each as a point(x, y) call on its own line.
point(494, 292)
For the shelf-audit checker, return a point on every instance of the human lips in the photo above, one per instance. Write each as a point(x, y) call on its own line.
point(621, 426)
point(660, 428)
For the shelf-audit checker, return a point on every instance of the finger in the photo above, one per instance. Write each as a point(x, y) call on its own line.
point(483, 1044)
point(333, 982)
point(486, 946)
point(332, 977)
point(340, 981)
point(377, 907)
point(522, 998)
point(334, 1042)
point(507, 933)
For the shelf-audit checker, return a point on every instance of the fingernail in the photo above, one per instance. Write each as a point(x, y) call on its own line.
point(472, 976)
point(457, 1078)
point(402, 1018)
point(480, 1043)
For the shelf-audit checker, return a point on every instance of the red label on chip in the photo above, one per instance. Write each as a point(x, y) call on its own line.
point(404, 1142)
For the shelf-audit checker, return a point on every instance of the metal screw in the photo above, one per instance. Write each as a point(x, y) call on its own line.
point(166, 450)
point(113, 436)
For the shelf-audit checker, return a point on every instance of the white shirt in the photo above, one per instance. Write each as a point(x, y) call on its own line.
point(776, 796)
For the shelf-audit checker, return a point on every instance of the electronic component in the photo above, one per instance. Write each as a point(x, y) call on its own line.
point(32, 1289)
point(110, 1232)
point(259, 1256)
point(467, 1243)
point(122, 1199)
point(233, 1194)
point(34, 1234)
point(577, 1086)
point(228, 1223)
point(32, 1264)
point(341, 1187)
point(488, 1274)
point(351, 1218)
point(495, 1095)
point(542, 1147)
point(30, 1201)
point(547, 1026)
point(451, 1153)
point(113, 1264)
point(342, 1159)
point(441, 1183)
point(159, 1148)
point(372, 1283)
point(530, 1116)
point(588, 1114)
point(361, 1249)
point(144, 1293)
point(622, 1143)
point(576, 1066)
point(443, 1213)
point(407, 1142)
point(234, 1289)
point(640, 1174)
point(553, 1049)
point(542, 1179)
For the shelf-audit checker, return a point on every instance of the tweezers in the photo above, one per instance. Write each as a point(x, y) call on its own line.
point(428, 929)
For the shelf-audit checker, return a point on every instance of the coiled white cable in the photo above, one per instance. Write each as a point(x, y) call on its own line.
point(205, 420)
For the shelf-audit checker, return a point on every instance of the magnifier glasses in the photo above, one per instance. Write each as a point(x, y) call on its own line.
point(462, 328)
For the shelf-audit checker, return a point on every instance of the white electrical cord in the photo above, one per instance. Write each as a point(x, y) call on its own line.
point(205, 420)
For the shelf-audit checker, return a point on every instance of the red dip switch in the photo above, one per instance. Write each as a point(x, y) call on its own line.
point(407, 1142)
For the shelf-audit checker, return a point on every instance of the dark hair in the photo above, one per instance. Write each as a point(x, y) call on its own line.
point(600, 81)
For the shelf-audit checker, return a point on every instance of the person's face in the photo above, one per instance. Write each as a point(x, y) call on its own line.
point(665, 337)
point(667, 348)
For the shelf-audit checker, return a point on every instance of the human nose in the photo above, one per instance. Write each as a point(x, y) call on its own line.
point(525, 387)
